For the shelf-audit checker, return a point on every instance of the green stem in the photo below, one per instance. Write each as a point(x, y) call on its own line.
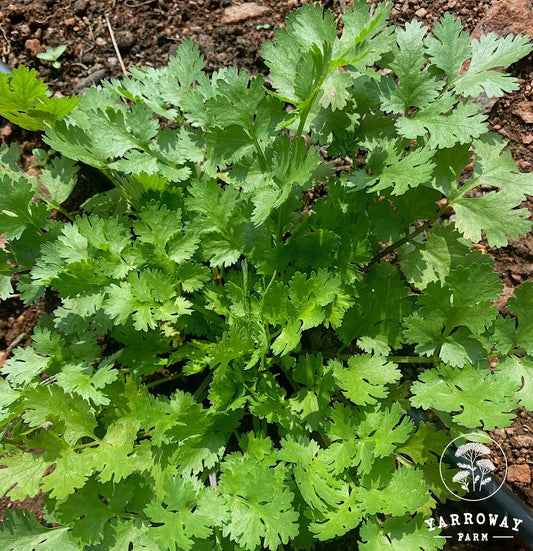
point(305, 114)
point(395, 359)
point(164, 380)
point(391, 248)
point(288, 375)
point(201, 392)
point(111, 177)
point(409, 360)
point(300, 227)
point(54, 205)
point(279, 229)
point(445, 334)
point(209, 314)
point(218, 535)
point(262, 159)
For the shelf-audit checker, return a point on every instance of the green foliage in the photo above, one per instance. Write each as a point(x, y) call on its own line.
point(53, 54)
point(225, 369)
point(26, 100)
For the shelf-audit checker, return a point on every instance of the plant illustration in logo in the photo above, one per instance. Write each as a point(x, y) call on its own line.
point(473, 476)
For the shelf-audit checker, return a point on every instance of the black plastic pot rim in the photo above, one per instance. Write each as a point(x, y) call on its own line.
point(493, 496)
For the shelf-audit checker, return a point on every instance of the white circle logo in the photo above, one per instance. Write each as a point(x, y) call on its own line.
point(475, 462)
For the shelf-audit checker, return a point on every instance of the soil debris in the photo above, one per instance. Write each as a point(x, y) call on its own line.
point(33, 46)
point(243, 12)
point(521, 474)
point(524, 110)
point(507, 17)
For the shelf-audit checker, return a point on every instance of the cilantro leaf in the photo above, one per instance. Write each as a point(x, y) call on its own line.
point(298, 57)
point(423, 262)
point(520, 372)
point(521, 305)
point(365, 380)
point(398, 533)
point(26, 101)
point(21, 474)
point(493, 213)
point(444, 122)
point(319, 488)
point(260, 505)
point(22, 532)
point(489, 52)
point(418, 87)
point(180, 523)
point(458, 391)
point(449, 46)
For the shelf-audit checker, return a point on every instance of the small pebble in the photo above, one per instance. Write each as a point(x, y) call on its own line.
point(125, 40)
point(243, 12)
point(25, 30)
point(499, 433)
point(519, 473)
point(6, 131)
point(34, 47)
point(522, 441)
point(80, 7)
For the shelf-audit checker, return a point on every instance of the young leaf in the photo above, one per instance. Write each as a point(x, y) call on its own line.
point(489, 52)
point(365, 380)
point(449, 46)
point(418, 86)
point(22, 532)
point(25, 100)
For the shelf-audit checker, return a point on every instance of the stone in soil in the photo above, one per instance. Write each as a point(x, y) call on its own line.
point(524, 110)
point(507, 17)
point(33, 46)
point(520, 474)
point(243, 12)
point(522, 441)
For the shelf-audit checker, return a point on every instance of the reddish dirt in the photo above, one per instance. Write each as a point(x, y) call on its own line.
point(149, 31)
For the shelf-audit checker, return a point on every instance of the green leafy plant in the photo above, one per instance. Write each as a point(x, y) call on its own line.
point(227, 369)
point(53, 54)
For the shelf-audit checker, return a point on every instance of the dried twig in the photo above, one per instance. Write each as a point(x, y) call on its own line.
point(6, 47)
point(138, 5)
point(19, 338)
point(115, 45)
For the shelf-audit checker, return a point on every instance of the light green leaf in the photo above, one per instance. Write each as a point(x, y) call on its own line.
point(489, 52)
point(494, 213)
point(482, 399)
point(366, 379)
point(21, 532)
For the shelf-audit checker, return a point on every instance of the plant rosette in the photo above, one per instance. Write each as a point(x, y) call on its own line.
point(291, 341)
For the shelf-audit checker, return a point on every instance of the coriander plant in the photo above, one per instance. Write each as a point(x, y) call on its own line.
point(53, 54)
point(225, 369)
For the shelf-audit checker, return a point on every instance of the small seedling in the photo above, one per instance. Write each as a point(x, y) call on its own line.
point(53, 54)
point(43, 157)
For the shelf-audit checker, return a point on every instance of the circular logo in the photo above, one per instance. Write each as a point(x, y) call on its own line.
point(472, 464)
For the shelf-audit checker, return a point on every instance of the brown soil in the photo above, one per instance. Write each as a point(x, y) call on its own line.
point(149, 31)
